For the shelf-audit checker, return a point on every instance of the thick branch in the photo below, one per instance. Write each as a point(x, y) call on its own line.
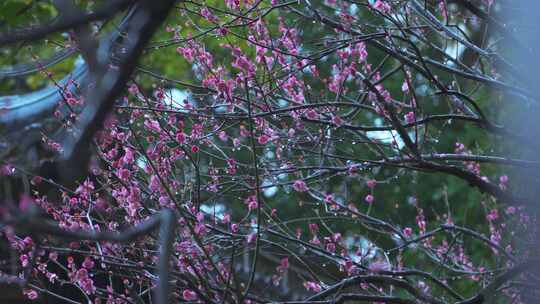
point(63, 23)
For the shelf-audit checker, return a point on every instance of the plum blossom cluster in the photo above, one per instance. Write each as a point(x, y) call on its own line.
point(294, 159)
